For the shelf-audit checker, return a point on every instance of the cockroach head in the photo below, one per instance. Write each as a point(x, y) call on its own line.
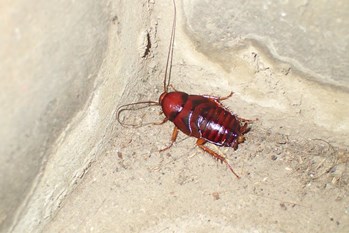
point(172, 103)
point(162, 96)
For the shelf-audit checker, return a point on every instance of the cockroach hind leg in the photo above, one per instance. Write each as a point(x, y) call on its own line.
point(173, 139)
point(200, 143)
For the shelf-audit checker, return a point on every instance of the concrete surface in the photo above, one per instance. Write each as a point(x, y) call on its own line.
point(51, 53)
point(306, 34)
point(67, 165)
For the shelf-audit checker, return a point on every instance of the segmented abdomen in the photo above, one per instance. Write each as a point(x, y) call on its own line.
point(218, 126)
point(202, 117)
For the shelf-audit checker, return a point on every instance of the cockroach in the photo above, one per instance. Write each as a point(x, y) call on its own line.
point(200, 116)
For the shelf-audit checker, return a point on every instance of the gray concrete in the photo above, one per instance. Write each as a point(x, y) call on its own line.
point(50, 54)
point(313, 36)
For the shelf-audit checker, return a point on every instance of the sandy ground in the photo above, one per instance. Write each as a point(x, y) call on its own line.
point(294, 173)
point(286, 186)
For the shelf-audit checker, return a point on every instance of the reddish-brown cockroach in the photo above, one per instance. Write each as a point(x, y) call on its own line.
point(199, 116)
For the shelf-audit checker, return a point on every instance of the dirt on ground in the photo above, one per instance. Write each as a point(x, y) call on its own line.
point(290, 182)
point(287, 185)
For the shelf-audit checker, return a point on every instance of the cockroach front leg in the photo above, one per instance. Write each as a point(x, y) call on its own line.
point(173, 138)
point(200, 142)
point(162, 122)
point(173, 87)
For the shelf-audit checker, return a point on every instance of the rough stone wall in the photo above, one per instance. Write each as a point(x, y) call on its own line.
point(51, 53)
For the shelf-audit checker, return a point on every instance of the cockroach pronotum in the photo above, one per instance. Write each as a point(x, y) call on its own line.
point(200, 116)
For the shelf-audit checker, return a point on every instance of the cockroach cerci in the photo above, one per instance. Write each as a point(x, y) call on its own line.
point(200, 116)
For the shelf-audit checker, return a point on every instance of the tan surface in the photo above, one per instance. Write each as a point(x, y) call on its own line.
point(134, 188)
point(102, 177)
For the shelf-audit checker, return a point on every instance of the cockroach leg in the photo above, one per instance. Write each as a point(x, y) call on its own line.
point(200, 142)
point(172, 87)
point(217, 98)
point(162, 122)
point(246, 120)
point(173, 138)
point(226, 97)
